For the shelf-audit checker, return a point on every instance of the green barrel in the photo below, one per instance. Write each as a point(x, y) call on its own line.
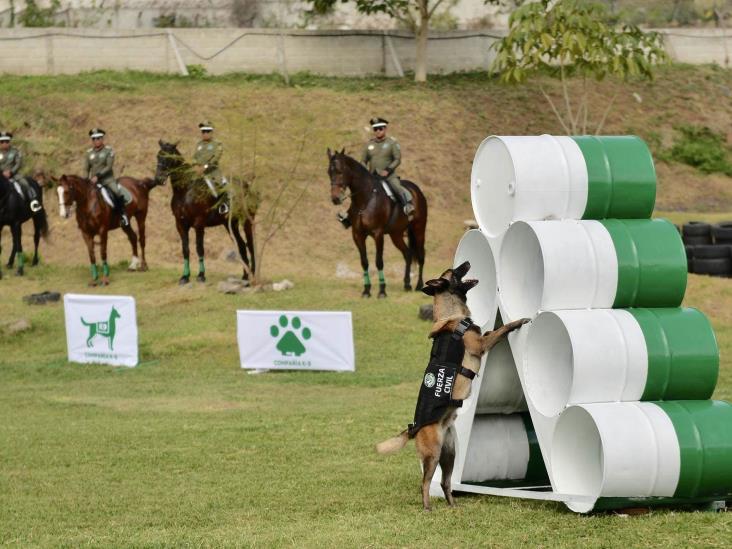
point(651, 263)
point(621, 177)
point(683, 356)
point(704, 431)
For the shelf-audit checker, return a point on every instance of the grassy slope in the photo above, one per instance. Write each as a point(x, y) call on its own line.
point(439, 127)
point(188, 449)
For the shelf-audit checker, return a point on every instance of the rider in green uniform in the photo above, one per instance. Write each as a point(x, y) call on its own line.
point(382, 155)
point(206, 164)
point(99, 169)
point(11, 161)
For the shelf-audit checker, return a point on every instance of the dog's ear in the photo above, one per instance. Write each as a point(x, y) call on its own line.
point(431, 287)
point(467, 285)
point(460, 271)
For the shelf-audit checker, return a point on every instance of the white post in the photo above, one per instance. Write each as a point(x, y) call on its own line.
point(393, 54)
point(181, 65)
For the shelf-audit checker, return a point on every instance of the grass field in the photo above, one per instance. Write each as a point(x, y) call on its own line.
point(189, 450)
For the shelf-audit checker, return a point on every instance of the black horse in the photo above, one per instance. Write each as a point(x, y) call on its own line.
point(14, 211)
point(194, 207)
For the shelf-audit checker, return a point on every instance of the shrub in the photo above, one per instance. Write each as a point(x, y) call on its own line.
point(702, 148)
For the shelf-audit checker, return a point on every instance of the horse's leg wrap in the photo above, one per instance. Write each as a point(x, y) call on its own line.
point(382, 279)
point(21, 260)
point(366, 279)
point(105, 268)
point(186, 268)
point(201, 266)
point(94, 271)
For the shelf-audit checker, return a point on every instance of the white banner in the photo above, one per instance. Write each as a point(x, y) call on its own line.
point(101, 329)
point(296, 340)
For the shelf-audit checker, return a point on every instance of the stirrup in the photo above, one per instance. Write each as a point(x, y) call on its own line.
point(409, 210)
point(223, 208)
point(124, 220)
point(35, 206)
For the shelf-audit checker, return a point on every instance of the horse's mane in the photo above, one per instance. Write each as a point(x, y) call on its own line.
point(355, 164)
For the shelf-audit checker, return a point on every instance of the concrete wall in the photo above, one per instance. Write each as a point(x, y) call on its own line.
point(353, 53)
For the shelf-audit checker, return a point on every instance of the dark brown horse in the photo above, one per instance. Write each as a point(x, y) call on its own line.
point(373, 213)
point(194, 206)
point(95, 217)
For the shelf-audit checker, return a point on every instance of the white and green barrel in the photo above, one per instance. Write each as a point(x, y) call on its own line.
point(656, 450)
point(607, 355)
point(526, 178)
point(483, 298)
point(556, 265)
point(503, 448)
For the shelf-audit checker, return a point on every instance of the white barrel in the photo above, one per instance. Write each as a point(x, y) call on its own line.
point(622, 449)
point(576, 357)
point(552, 265)
point(483, 298)
point(498, 449)
point(527, 178)
point(500, 386)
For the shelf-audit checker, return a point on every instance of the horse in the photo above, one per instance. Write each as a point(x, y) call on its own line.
point(95, 217)
point(14, 211)
point(373, 213)
point(194, 206)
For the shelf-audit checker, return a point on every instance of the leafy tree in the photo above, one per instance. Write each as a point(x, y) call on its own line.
point(571, 38)
point(415, 14)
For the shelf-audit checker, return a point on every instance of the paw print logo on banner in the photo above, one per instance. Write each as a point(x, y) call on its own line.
point(291, 343)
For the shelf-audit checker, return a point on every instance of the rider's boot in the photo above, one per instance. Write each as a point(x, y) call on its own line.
point(124, 221)
point(224, 206)
point(343, 219)
point(409, 210)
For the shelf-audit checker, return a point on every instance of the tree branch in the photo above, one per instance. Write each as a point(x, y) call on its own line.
point(556, 112)
point(604, 116)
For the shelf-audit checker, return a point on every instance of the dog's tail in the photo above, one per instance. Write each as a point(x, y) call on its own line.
point(394, 444)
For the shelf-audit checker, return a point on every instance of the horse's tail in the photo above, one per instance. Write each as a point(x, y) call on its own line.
point(40, 222)
point(412, 241)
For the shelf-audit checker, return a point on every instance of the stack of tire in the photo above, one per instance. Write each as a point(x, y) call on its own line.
point(708, 248)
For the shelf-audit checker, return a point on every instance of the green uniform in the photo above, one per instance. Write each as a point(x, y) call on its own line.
point(208, 154)
point(12, 161)
point(100, 162)
point(385, 154)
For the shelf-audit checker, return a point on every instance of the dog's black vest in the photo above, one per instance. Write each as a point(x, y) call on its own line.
point(446, 362)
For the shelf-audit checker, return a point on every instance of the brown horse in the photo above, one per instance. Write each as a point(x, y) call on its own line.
point(194, 206)
point(95, 217)
point(373, 213)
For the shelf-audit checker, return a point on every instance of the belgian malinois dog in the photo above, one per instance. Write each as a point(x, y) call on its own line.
point(443, 385)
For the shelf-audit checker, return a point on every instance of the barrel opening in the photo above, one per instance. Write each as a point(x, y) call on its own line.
point(549, 364)
point(483, 298)
point(577, 456)
point(521, 272)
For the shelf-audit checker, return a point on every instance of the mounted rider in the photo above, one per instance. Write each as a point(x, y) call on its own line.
point(382, 155)
point(206, 165)
point(99, 169)
point(11, 161)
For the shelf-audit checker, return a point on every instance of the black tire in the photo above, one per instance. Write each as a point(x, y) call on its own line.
point(697, 228)
point(690, 265)
point(722, 232)
point(714, 267)
point(711, 252)
point(689, 251)
point(698, 240)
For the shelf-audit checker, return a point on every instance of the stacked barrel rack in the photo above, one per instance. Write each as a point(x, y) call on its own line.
point(603, 399)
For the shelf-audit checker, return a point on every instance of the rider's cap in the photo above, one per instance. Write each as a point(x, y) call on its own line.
point(378, 122)
point(96, 132)
point(6, 136)
point(205, 126)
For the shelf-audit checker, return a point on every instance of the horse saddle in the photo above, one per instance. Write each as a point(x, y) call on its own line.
point(391, 194)
point(109, 199)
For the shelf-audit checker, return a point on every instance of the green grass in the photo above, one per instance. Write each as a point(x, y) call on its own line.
point(187, 449)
